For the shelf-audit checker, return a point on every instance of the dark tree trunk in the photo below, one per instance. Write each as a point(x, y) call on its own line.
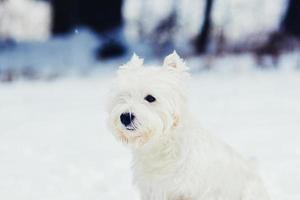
point(99, 15)
point(64, 15)
point(202, 39)
point(102, 16)
point(291, 20)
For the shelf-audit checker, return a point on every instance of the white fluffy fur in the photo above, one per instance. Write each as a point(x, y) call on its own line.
point(174, 159)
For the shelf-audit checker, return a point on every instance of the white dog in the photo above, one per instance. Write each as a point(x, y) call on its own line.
point(173, 159)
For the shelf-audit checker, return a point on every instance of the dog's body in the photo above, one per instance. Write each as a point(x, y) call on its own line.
point(193, 165)
point(173, 159)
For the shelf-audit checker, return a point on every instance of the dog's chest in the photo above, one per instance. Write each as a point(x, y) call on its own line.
point(162, 171)
point(160, 163)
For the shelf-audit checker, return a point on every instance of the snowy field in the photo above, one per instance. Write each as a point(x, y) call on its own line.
point(54, 143)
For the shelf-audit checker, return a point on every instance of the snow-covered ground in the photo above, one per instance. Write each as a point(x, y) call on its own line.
point(54, 143)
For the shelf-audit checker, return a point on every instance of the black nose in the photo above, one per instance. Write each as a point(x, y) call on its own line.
point(126, 118)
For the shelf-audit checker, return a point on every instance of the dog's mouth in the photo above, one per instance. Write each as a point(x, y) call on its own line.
point(131, 127)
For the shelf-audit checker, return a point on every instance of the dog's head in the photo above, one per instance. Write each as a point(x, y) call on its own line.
point(147, 102)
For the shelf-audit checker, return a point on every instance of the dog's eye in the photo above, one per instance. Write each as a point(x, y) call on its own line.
point(150, 98)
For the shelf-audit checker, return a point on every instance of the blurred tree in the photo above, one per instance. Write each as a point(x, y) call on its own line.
point(291, 20)
point(64, 15)
point(163, 35)
point(104, 17)
point(101, 15)
point(284, 39)
point(202, 39)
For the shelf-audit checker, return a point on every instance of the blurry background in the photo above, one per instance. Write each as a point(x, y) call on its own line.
point(42, 38)
point(57, 60)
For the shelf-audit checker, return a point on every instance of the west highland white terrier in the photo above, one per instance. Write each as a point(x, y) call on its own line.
point(174, 159)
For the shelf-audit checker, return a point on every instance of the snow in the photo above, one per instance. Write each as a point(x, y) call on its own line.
point(57, 53)
point(25, 20)
point(54, 143)
point(74, 53)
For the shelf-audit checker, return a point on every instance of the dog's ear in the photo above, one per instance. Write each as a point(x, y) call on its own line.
point(174, 62)
point(134, 63)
